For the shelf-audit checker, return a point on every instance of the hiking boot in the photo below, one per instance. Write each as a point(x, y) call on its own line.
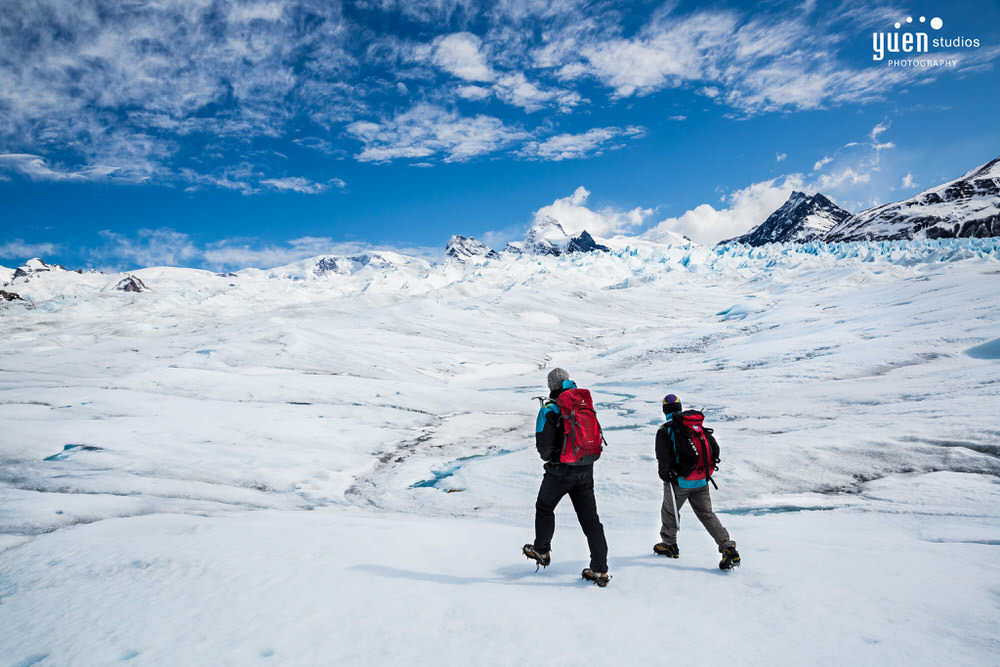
point(668, 550)
point(599, 579)
point(730, 558)
point(542, 559)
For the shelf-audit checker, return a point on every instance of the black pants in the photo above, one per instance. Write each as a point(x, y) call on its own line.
point(579, 484)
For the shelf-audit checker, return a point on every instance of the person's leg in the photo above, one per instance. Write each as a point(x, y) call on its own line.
point(673, 501)
point(585, 504)
point(701, 503)
point(549, 494)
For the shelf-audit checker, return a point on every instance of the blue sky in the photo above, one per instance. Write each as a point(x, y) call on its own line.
point(222, 135)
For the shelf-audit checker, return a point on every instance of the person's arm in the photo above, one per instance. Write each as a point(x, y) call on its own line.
point(548, 436)
point(664, 453)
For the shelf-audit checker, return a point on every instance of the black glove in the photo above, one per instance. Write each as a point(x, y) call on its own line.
point(667, 474)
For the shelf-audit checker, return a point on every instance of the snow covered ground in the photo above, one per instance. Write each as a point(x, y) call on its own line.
point(283, 468)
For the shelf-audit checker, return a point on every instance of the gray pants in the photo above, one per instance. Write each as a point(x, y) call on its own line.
point(701, 503)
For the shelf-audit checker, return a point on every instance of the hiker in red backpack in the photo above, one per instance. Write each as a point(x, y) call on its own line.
point(687, 454)
point(569, 440)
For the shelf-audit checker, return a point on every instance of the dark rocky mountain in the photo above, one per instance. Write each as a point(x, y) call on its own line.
point(801, 219)
point(585, 243)
point(966, 207)
point(131, 284)
point(465, 248)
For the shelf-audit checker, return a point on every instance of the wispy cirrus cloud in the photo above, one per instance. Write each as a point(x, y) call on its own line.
point(430, 131)
point(148, 247)
point(576, 146)
point(126, 92)
point(18, 250)
point(301, 185)
point(38, 168)
point(187, 92)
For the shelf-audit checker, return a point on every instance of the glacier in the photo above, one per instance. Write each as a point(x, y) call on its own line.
point(300, 466)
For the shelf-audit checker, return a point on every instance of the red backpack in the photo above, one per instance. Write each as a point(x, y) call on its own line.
point(695, 448)
point(583, 440)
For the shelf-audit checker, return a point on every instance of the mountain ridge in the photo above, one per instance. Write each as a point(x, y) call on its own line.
point(802, 218)
point(966, 207)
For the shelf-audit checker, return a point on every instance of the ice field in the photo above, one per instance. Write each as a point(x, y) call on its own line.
point(284, 468)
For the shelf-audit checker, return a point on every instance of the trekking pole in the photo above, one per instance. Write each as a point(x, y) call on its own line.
point(673, 501)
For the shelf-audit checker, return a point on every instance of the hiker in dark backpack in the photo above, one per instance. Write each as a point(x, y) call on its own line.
point(687, 455)
point(568, 438)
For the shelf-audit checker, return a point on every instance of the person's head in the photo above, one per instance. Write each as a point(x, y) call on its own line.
point(557, 377)
point(671, 404)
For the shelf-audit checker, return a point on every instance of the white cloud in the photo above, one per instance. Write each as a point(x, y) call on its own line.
point(119, 90)
point(460, 54)
point(242, 178)
point(427, 130)
point(822, 163)
point(37, 168)
point(845, 176)
point(133, 92)
point(755, 64)
point(515, 89)
point(575, 216)
point(856, 172)
point(908, 181)
point(876, 131)
point(474, 92)
point(299, 184)
point(149, 247)
point(781, 157)
point(17, 249)
point(576, 146)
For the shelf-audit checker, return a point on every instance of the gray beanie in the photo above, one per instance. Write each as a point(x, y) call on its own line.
point(556, 378)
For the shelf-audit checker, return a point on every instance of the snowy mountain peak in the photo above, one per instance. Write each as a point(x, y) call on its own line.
point(34, 267)
point(989, 170)
point(546, 229)
point(548, 237)
point(347, 265)
point(802, 218)
point(326, 266)
point(966, 207)
point(465, 248)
